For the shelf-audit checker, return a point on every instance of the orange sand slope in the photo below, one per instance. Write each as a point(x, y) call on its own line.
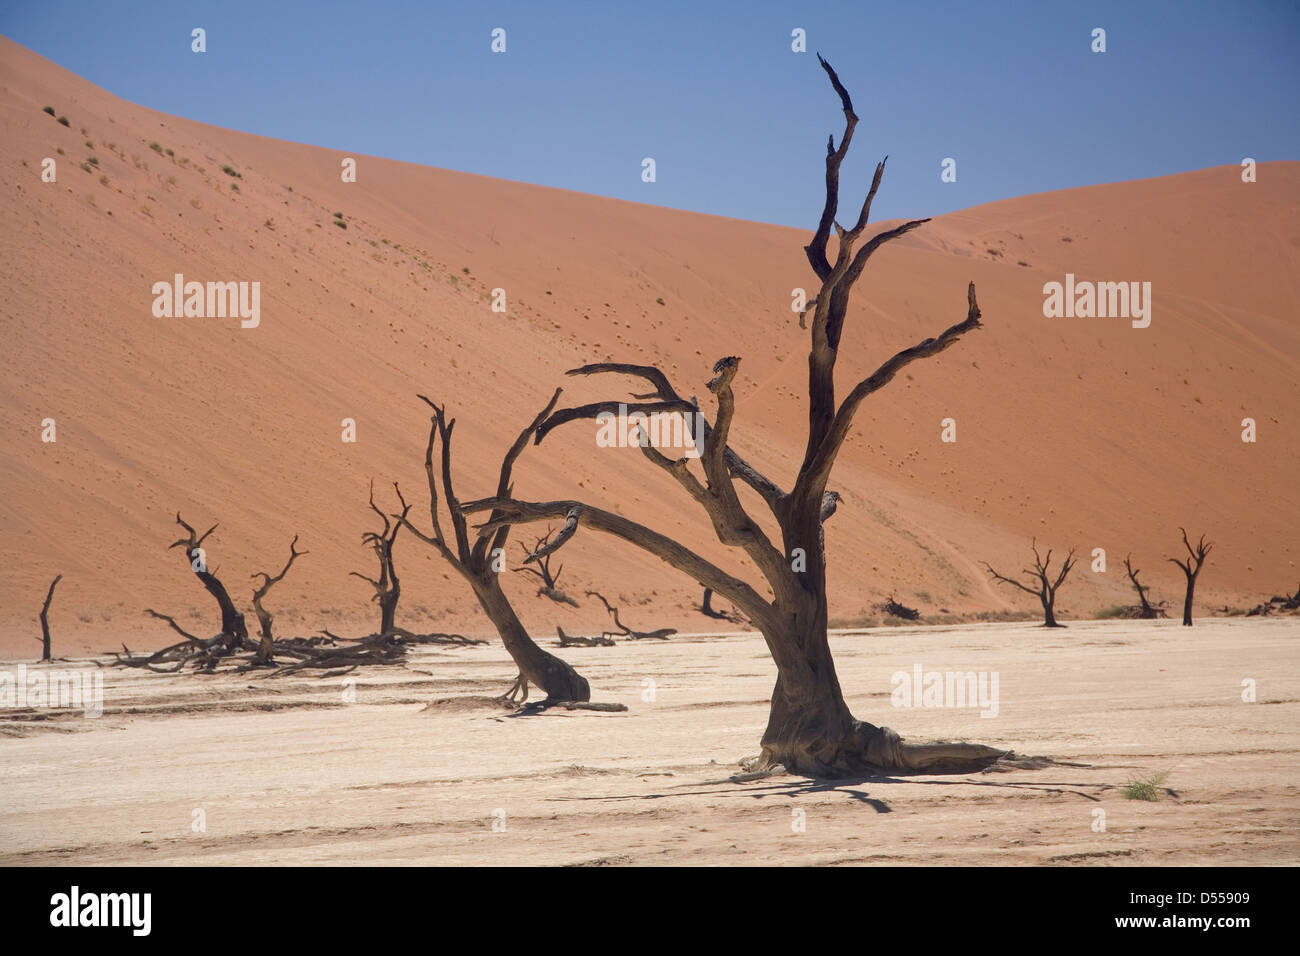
point(1081, 431)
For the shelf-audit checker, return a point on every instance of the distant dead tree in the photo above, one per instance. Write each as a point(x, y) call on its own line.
point(706, 608)
point(388, 588)
point(45, 620)
point(1192, 569)
point(266, 646)
point(1145, 609)
point(662, 634)
point(810, 729)
point(478, 564)
point(894, 609)
point(1278, 602)
point(543, 573)
point(233, 628)
point(566, 641)
point(1042, 586)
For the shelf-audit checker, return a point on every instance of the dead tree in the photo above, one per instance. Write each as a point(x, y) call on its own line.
point(477, 562)
point(566, 641)
point(266, 647)
point(706, 608)
point(1192, 569)
point(810, 729)
point(1042, 586)
point(388, 588)
point(543, 573)
point(894, 609)
point(662, 634)
point(45, 619)
point(1145, 609)
point(233, 628)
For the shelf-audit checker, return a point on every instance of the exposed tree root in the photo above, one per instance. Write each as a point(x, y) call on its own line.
point(547, 704)
point(329, 652)
point(879, 750)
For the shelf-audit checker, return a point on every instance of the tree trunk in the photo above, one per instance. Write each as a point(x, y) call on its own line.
point(1187, 602)
point(811, 731)
point(1049, 614)
point(557, 678)
point(388, 611)
point(232, 622)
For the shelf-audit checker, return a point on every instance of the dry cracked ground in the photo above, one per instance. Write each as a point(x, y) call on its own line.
point(236, 769)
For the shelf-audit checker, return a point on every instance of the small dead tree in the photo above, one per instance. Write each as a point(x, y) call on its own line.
point(894, 609)
point(567, 641)
point(264, 616)
point(1042, 586)
point(662, 634)
point(45, 619)
point(233, 628)
point(388, 588)
point(1192, 569)
point(478, 563)
point(543, 572)
point(1145, 609)
point(707, 609)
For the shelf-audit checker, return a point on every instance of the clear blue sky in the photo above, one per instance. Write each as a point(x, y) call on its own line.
point(736, 122)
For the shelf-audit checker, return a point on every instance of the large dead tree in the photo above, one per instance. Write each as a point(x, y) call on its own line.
point(480, 561)
point(388, 587)
point(45, 619)
point(1192, 569)
point(550, 580)
point(233, 629)
point(1145, 609)
point(810, 729)
point(1042, 585)
point(264, 617)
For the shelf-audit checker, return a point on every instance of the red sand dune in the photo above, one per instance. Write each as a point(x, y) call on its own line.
point(1082, 432)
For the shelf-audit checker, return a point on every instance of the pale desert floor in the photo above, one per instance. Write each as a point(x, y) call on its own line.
point(286, 772)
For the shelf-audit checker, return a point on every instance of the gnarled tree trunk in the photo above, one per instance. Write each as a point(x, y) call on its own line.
point(480, 565)
point(232, 621)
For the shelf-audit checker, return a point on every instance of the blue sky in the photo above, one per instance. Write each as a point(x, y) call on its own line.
point(736, 121)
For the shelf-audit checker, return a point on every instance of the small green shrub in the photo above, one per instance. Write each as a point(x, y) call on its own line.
point(340, 223)
point(156, 147)
point(231, 171)
point(64, 121)
point(1145, 788)
point(660, 300)
point(50, 110)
